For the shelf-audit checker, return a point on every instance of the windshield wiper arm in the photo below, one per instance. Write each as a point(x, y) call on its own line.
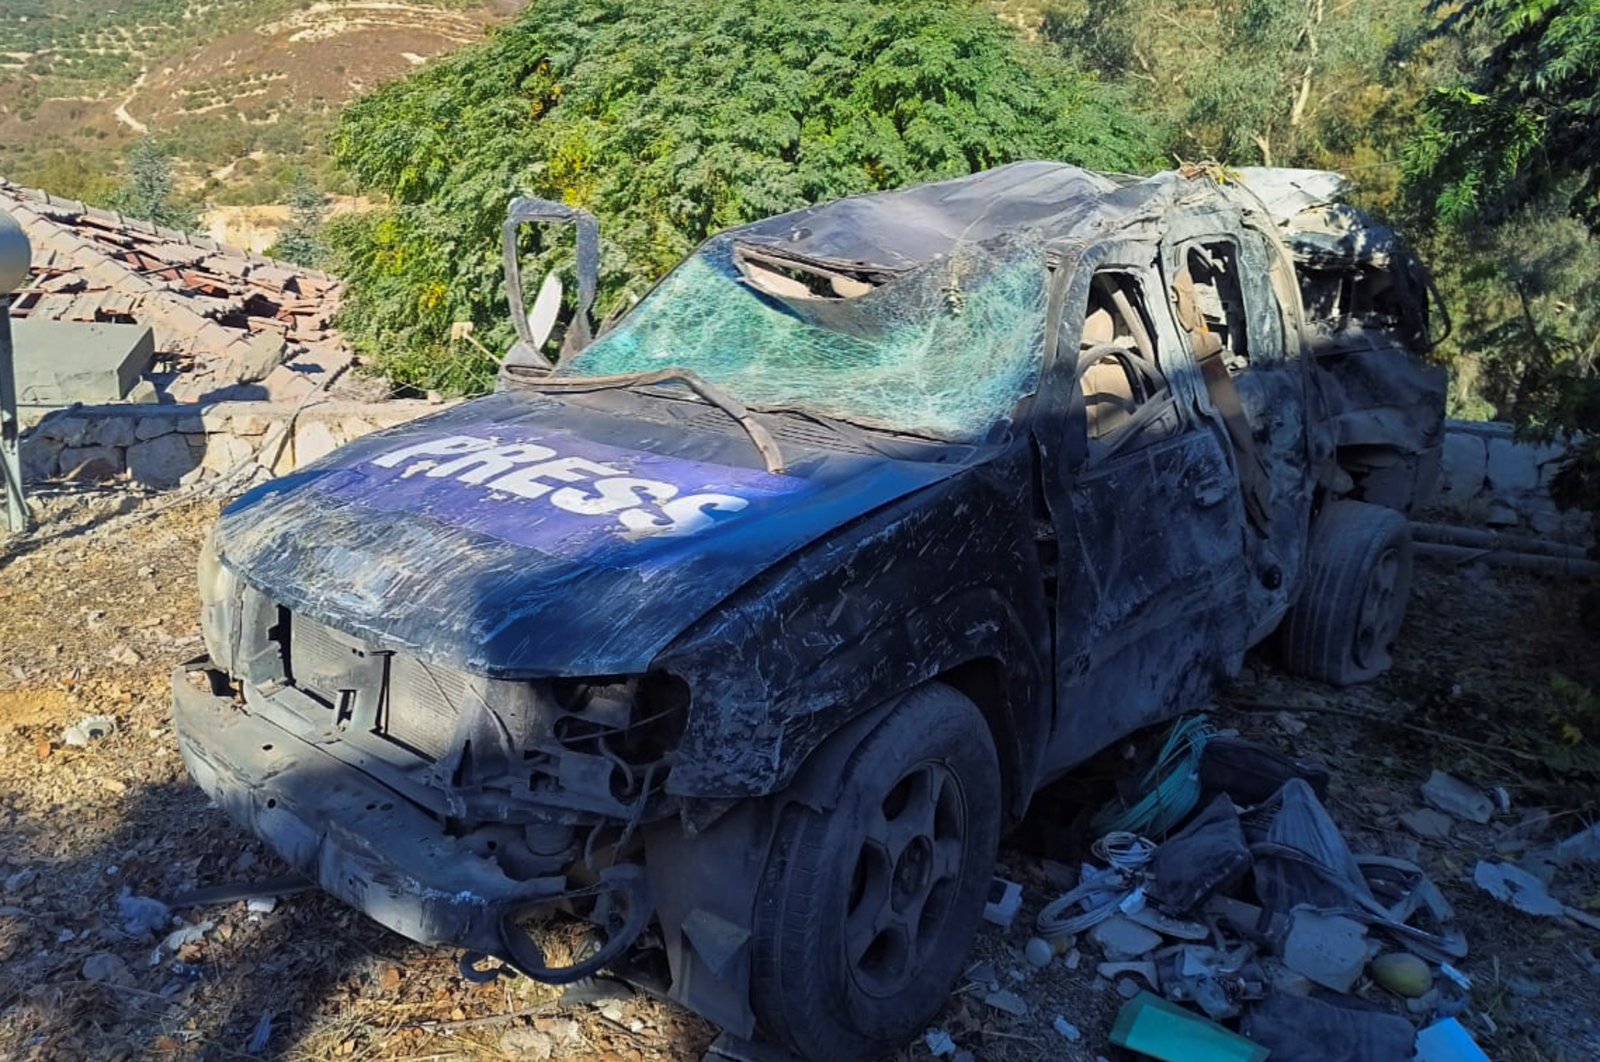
point(713, 394)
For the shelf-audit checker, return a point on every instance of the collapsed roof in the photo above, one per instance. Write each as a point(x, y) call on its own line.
point(897, 231)
point(222, 318)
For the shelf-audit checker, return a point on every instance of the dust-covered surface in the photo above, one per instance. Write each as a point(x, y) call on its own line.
point(93, 619)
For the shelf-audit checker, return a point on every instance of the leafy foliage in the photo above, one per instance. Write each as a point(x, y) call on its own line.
point(671, 121)
point(148, 192)
point(1522, 127)
point(1271, 82)
point(301, 241)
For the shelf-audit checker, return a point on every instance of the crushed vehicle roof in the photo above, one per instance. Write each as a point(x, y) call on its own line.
point(909, 227)
point(902, 229)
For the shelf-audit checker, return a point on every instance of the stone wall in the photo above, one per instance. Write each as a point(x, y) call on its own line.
point(171, 445)
point(1489, 476)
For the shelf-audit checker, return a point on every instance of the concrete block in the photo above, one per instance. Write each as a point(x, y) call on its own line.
point(1465, 465)
point(91, 462)
point(72, 361)
point(160, 462)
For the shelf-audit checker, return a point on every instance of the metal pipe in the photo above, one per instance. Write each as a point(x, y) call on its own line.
point(1528, 562)
point(1480, 539)
point(15, 256)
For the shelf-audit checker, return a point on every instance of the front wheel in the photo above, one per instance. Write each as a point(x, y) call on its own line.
point(867, 910)
point(1343, 626)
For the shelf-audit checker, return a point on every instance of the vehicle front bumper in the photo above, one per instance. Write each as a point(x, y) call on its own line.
point(366, 844)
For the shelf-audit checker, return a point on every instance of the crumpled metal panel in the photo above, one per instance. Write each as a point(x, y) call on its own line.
point(503, 537)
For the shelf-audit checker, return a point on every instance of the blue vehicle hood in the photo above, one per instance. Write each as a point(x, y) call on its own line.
point(520, 537)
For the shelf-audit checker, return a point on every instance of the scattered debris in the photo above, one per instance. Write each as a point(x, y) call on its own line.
point(20, 880)
point(1122, 938)
point(261, 904)
point(1513, 885)
point(89, 729)
point(221, 317)
point(1451, 795)
point(939, 1043)
point(178, 939)
point(1448, 1041)
point(1005, 900)
point(1152, 1026)
point(1009, 1002)
point(1067, 1029)
point(1328, 949)
point(141, 915)
point(1427, 823)
point(1038, 952)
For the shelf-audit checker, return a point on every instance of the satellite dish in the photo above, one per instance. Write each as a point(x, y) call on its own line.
point(546, 308)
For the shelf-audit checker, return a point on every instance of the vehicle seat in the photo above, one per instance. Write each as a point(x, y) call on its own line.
point(1108, 396)
point(1108, 391)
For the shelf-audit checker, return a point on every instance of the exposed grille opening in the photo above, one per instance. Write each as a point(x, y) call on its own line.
point(423, 705)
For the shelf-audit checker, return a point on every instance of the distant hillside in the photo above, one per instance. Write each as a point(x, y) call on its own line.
point(242, 92)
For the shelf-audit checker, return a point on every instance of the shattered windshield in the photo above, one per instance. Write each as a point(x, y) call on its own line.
point(945, 350)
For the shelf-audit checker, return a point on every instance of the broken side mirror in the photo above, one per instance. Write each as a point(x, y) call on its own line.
point(535, 326)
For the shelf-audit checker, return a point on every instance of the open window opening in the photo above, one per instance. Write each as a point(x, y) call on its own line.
point(1119, 372)
point(1219, 299)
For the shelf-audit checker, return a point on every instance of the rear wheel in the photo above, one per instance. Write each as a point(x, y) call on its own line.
point(1343, 627)
point(867, 910)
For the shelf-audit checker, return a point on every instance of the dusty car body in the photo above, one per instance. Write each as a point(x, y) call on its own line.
point(1011, 465)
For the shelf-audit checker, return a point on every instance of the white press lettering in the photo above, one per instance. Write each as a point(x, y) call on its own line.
point(684, 516)
point(612, 495)
point(445, 447)
point(480, 465)
point(526, 482)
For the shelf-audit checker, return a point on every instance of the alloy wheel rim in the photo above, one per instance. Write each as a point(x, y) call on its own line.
point(1378, 623)
point(905, 878)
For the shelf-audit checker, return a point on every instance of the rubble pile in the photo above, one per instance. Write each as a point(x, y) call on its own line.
point(222, 318)
point(1252, 930)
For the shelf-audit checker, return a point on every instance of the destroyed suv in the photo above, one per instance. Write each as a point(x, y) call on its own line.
point(745, 631)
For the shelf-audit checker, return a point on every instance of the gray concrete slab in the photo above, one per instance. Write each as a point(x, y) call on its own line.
point(72, 361)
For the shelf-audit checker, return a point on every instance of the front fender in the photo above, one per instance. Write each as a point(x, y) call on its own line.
point(929, 585)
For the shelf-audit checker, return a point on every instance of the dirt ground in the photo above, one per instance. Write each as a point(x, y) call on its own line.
point(98, 606)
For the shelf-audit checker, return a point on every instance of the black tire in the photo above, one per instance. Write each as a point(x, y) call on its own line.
point(1343, 626)
point(925, 780)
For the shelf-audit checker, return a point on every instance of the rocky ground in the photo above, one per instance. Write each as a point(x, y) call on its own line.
point(98, 606)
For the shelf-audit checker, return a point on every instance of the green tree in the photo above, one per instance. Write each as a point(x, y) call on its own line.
point(672, 120)
point(148, 191)
point(1523, 126)
point(1269, 82)
point(301, 241)
point(1506, 163)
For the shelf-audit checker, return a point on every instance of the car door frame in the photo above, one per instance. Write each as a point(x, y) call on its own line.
point(1060, 421)
point(1270, 298)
